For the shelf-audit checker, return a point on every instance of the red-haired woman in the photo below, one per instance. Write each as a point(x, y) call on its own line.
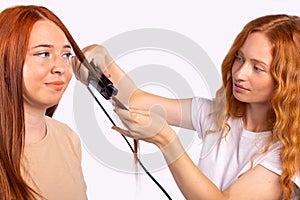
point(250, 131)
point(40, 158)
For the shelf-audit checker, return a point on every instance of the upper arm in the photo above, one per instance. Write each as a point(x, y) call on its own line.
point(257, 183)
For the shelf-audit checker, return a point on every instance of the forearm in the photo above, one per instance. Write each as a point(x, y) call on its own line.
point(128, 92)
point(190, 180)
point(125, 85)
point(192, 183)
point(175, 111)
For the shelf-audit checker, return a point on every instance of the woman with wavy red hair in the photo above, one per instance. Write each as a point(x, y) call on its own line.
point(40, 158)
point(250, 131)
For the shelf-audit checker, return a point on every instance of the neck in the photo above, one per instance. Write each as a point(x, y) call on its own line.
point(35, 125)
point(256, 119)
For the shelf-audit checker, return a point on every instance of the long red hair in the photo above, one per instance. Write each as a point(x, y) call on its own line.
point(15, 28)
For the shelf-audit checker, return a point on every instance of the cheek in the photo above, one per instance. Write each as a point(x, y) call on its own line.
point(32, 76)
point(269, 89)
point(235, 66)
point(34, 71)
point(271, 84)
point(27, 77)
point(68, 74)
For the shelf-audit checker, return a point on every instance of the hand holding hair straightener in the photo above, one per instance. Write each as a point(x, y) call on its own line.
point(90, 73)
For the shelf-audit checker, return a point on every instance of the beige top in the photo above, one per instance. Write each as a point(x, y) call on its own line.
point(52, 167)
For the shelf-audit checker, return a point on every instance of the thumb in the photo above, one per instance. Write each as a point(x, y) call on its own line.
point(122, 131)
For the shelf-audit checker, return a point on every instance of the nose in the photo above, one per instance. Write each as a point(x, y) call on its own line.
point(59, 65)
point(241, 72)
point(58, 70)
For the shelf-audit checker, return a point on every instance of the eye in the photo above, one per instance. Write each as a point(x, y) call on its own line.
point(239, 59)
point(42, 54)
point(68, 55)
point(258, 69)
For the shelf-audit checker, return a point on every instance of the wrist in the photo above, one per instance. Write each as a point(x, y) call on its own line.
point(170, 146)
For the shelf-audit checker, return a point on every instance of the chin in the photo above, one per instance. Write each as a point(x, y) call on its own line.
point(239, 98)
point(51, 103)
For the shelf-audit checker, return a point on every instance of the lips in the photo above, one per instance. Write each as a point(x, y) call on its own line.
point(239, 87)
point(56, 85)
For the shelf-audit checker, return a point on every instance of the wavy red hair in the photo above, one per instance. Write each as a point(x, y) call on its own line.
point(283, 32)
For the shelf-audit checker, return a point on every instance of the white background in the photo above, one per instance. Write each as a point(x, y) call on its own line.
point(211, 24)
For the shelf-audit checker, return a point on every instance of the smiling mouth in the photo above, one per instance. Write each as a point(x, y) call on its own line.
point(57, 85)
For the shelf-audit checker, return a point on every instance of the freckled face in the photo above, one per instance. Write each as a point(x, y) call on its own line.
point(252, 80)
point(47, 69)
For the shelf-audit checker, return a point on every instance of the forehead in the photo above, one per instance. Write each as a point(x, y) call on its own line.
point(258, 47)
point(47, 32)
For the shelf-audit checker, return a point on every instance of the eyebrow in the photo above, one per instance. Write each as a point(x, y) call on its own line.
point(255, 60)
point(259, 61)
point(50, 46)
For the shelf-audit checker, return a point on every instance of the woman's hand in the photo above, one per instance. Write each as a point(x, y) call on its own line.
point(100, 57)
point(150, 127)
point(96, 54)
point(145, 125)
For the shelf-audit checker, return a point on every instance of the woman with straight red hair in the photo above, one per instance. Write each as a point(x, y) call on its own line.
point(40, 158)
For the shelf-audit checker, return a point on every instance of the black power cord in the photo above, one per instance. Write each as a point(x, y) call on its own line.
point(139, 161)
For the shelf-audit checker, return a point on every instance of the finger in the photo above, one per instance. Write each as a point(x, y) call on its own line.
point(123, 114)
point(135, 118)
point(145, 112)
point(80, 71)
point(129, 120)
point(118, 104)
point(122, 131)
point(106, 73)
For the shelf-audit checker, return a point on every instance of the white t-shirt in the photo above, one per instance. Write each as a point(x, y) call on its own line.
point(224, 159)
